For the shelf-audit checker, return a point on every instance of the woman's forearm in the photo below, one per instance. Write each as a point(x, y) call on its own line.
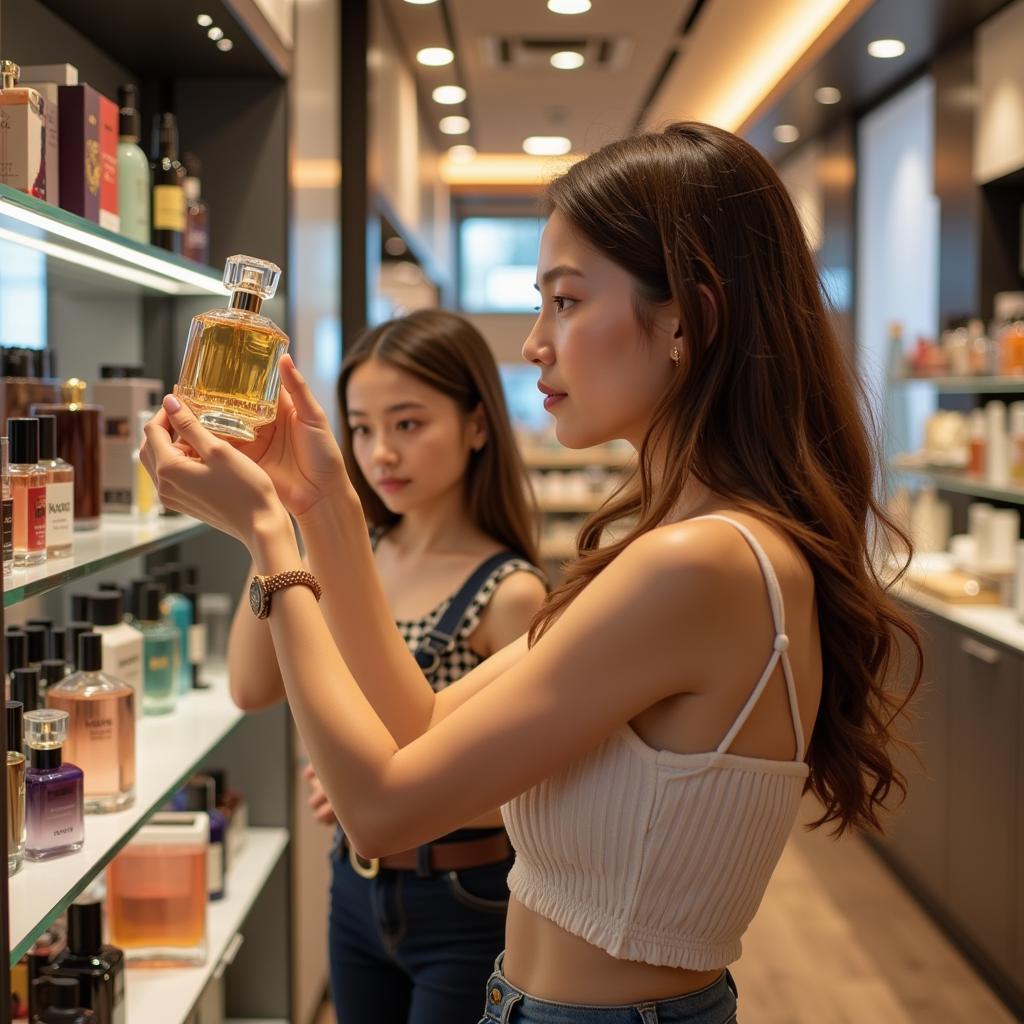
point(357, 613)
point(253, 674)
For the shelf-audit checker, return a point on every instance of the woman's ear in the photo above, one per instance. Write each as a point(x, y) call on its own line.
point(478, 436)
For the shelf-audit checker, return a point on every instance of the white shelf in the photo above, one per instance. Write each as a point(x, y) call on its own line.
point(165, 996)
point(168, 748)
point(118, 537)
point(961, 483)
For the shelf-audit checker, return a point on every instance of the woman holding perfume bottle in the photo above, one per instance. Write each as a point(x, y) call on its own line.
point(649, 764)
point(428, 445)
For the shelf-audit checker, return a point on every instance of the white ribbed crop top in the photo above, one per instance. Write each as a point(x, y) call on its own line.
point(656, 856)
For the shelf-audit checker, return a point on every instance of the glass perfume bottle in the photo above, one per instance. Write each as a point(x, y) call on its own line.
point(168, 193)
point(133, 184)
point(60, 491)
point(101, 735)
point(176, 610)
point(22, 134)
point(200, 794)
point(159, 654)
point(28, 488)
point(145, 502)
point(98, 968)
point(122, 645)
point(15, 787)
point(229, 373)
point(58, 1001)
point(54, 790)
point(8, 509)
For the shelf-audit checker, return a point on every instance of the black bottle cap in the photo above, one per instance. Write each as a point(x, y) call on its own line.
point(75, 629)
point(23, 437)
point(47, 436)
point(149, 601)
point(85, 928)
point(108, 585)
point(119, 371)
point(90, 652)
point(47, 362)
point(135, 589)
point(15, 648)
point(199, 794)
point(15, 725)
point(38, 641)
point(59, 643)
point(17, 361)
point(165, 137)
point(53, 670)
point(56, 993)
point(25, 687)
point(130, 120)
point(106, 607)
point(48, 623)
point(171, 575)
point(80, 607)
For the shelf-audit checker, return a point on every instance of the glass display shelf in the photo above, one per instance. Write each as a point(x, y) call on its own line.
point(960, 483)
point(168, 749)
point(537, 457)
point(964, 385)
point(81, 252)
point(119, 537)
point(167, 995)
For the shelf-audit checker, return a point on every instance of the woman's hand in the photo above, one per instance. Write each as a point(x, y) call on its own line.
point(206, 477)
point(298, 451)
point(318, 802)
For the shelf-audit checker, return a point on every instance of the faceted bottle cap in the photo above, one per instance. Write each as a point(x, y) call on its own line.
point(90, 652)
point(15, 725)
point(46, 728)
point(248, 274)
point(10, 72)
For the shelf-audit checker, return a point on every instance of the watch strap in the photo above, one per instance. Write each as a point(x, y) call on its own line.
point(294, 577)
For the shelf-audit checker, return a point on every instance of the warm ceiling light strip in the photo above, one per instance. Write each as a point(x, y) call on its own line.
point(506, 169)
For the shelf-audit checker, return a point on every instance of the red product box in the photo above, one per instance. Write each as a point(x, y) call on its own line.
point(109, 133)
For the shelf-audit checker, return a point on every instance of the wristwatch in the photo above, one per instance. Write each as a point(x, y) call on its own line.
point(262, 587)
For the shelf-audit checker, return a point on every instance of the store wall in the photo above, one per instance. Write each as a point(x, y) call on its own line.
point(504, 332)
point(999, 145)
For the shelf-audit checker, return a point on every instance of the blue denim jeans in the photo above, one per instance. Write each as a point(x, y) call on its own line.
point(506, 1004)
point(412, 950)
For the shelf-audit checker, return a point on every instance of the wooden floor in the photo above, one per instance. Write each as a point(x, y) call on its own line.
point(839, 941)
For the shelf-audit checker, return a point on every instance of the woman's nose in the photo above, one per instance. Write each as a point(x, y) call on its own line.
point(535, 349)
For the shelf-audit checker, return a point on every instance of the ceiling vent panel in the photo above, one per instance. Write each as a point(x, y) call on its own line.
point(525, 53)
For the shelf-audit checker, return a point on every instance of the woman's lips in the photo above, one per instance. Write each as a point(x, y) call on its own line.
point(392, 484)
point(550, 401)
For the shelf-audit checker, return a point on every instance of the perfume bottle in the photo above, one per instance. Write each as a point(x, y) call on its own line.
point(8, 509)
point(25, 688)
point(133, 184)
point(58, 1001)
point(38, 638)
point(54, 791)
point(145, 501)
point(122, 645)
point(101, 735)
point(15, 650)
point(160, 653)
point(176, 610)
point(98, 968)
point(60, 491)
point(200, 794)
point(15, 787)
point(197, 631)
point(22, 134)
point(229, 371)
point(28, 487)
point(196, 244)
point(156, 891)
point(168, 193)
point(51, 672)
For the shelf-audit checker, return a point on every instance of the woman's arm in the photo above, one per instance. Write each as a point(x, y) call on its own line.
point(253, 676)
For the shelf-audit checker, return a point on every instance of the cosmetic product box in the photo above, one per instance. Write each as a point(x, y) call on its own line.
point(46, 79)
point(88, 135)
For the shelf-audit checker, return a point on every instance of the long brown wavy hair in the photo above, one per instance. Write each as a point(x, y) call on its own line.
point(766, 411)
point(448, 354)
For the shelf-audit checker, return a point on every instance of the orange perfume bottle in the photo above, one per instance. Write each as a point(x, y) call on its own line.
point(229, 375)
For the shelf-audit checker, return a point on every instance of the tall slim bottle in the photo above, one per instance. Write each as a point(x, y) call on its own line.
point(122, 645)
point(28, 488)
point(168, 186)
point(133, 180)
point(176, 610)
point(196, 243)
point(8, 509)
point(60, 491)
point(54, 822)
point(15, 787)
point(161, 647)
point(101, 736)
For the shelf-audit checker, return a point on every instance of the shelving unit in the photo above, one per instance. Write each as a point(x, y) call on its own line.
point(964, 385)
point(962, 484)
point(165, 996)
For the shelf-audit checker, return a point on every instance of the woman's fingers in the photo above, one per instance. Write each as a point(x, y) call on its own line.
point(189, 429)
point(307, 408)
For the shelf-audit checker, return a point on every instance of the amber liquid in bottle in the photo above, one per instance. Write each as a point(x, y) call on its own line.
point(15, 810)
point(229, 374)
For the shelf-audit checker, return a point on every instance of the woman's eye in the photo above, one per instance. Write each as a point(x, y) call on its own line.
point(359, 430)
point(560, 302)
point(407, 425)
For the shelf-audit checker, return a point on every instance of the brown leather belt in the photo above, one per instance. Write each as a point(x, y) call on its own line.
point(453, 856)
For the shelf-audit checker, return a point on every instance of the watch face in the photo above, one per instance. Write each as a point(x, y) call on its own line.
point(256, 597)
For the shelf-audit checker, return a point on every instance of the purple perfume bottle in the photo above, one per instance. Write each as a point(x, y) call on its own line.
point(54, 791)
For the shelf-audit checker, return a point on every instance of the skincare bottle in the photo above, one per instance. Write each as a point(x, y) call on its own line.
point(122, 645)
point(60, 491)
point(177, 612)
point(229, 375)
point(133, 184)
point(54, 793)
point(15, 787)
point(160, 653)
point(101, 732)
point(28, 488)
point(98, 968)
point(8, 510)
point(58, 1001)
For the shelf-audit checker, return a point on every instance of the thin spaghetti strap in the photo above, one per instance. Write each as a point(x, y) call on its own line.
point(780, 646)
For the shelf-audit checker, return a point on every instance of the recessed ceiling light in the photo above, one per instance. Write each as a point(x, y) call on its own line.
point(461, 154)
point(828, 95)
point(204, 20)
point(567, 60)
point(569, 6)
point(421, 2)
point(224, 45)
point(786, 133)
point(547, 145)
point(435, 56)
point(215, 33)
point(454, 125)
point(449, 94)
point(886, 49)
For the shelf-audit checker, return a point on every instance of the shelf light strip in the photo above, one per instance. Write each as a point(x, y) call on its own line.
point(170, 273)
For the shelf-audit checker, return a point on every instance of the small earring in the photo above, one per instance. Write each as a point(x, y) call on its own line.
point(675, 354)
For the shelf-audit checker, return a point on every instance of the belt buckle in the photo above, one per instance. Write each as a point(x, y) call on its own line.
point(364, 867)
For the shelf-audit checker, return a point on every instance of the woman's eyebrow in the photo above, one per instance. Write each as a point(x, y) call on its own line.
point(564, 270)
